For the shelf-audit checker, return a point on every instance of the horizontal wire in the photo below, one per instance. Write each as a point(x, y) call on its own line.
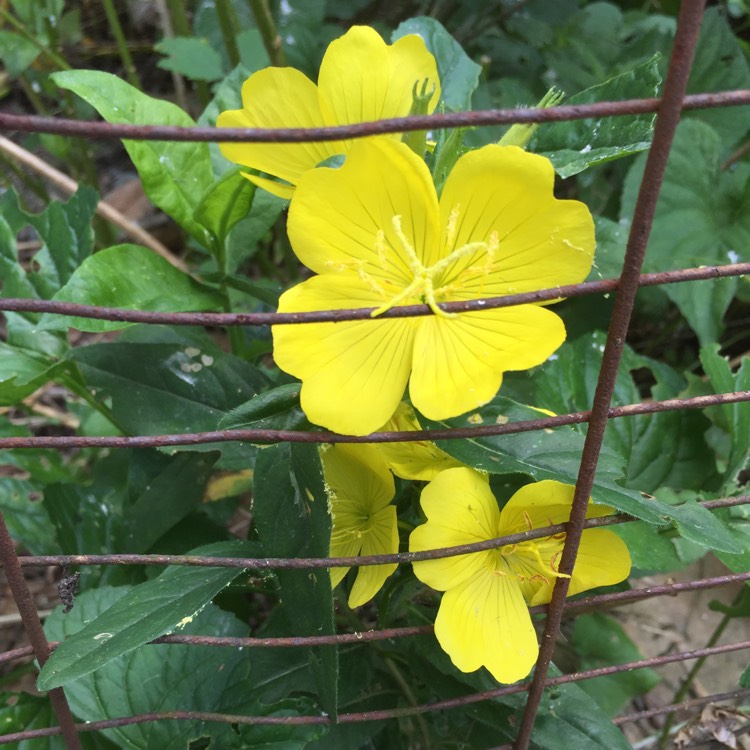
point(379, 715)
point(258, 436)
point(572, 607)
point(684, 706)
point(440, 121)
point(568, 291)
point(286, 563)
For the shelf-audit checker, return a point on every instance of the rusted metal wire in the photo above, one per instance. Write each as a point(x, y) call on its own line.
point(667, 119)
point(99, 130)
point(683, 706)
point(380, 715)
point(287, 563)
point(669, 108)
point(302, 436)
point(34, 631)
point(572, 607)
point(602, 286)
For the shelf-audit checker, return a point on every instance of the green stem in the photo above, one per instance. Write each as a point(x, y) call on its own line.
point(229, 26)
point(122, 44)
point(268, 32)
point(44, 49)
point(83, 393)
point(687, 683)
point(410, 697)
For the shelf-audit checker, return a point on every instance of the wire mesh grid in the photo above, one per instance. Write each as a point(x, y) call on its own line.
point(668, 110)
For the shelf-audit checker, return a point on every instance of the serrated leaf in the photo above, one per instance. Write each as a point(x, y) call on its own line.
point(67, 240)
point(175, 175)
point(131, 277)
point(548, 454)
point(190, 56)
point(292, 518)
point(277, 409)
point(145, 612)
point(664, 449)
point(720, 64)
point(22, 372)
point(700, 525)
point(576, 145)
point(735, 417)
point(459, 74)
point(702, 218)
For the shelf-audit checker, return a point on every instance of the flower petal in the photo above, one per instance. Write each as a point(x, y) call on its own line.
point(420, 460)
point(337, 214)
point(353, 373)
point(459, 362)
point(460, 509)
point(278, 98)
point(543, 241)
point(363, 79)
point(357, 479)
point(381, 539)
point(485, 622)
point(603, 559)
point(541, 504)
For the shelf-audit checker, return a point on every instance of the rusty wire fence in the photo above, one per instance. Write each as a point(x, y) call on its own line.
point(668, 110)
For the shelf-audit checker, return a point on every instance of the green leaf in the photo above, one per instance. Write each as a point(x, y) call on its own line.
point(131, 277)
point(720, 64)
point(600, 641)
point(459, 74)
point(292, 518)
point(277, 409)
point(169, 382)
point(176, 677)
point(576, 145)
point(702, 218)
point(22, 372)
point(300, 27)
point(20, 712)
point(660, 450)
point(190, 56)
point(734, 418)
point(245, 237)
point(548, 454)
point(17, 53)
point(700, 525)
point(67, 240)
point(174, 175)
point(145, 612)
point(226, 203)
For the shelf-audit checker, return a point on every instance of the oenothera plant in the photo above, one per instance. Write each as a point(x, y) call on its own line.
point(378, 222)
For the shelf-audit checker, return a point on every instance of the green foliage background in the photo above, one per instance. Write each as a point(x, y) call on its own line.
point(122, 379)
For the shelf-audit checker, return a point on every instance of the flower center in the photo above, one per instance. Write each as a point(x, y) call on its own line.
point(423, 284)
point(544, 569)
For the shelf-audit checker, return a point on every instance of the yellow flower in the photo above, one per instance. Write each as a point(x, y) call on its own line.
point(360, 489)
point(377, 235)
point(483, 618)
point(361, 79)
point(419, 459)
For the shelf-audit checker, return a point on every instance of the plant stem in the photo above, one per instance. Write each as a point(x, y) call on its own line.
point(228, 24)
point(268, 31)
point(410, 698)
point(175, 21)
point(122, 44)
point(687, 683)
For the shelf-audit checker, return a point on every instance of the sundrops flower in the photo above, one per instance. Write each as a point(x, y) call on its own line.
point(421, 460)
point(361, 79)
point(377, 235)
point(360, 489)
point(483, 619)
